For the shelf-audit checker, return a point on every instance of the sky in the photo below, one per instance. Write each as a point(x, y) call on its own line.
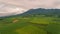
point(10, 7)
point(34, 3)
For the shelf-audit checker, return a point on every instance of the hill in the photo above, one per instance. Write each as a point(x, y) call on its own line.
point(41, 11)
point(34, 21)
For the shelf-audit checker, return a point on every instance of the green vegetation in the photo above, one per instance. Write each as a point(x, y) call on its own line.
point(34, 21)
point(30, 25)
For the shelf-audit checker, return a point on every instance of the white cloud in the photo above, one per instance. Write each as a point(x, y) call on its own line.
point(7, 10)
point(34, 3)
point(8, 7)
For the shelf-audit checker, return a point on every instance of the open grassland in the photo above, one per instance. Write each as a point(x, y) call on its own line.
point(27, 25)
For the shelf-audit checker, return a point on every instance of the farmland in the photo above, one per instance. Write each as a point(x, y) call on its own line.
point(29, 25)
point(34, 21)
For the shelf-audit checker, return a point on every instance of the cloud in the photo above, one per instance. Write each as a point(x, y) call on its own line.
point(10, 7)
point(34, 3)
point(7, 10)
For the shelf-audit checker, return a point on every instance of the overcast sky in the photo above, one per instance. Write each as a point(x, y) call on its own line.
point(34, 3)
point(8, 7)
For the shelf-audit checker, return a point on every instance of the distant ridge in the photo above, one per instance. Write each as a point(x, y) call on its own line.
point(40, 11)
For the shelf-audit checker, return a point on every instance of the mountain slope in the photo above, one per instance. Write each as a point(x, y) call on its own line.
point(40, 11)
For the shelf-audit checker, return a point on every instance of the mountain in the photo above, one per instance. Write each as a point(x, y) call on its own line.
point(41, 11)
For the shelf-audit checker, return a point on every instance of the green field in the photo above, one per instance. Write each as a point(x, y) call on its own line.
point(30, 25)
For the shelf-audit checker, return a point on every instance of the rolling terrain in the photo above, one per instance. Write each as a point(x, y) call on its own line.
point(34, 21)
